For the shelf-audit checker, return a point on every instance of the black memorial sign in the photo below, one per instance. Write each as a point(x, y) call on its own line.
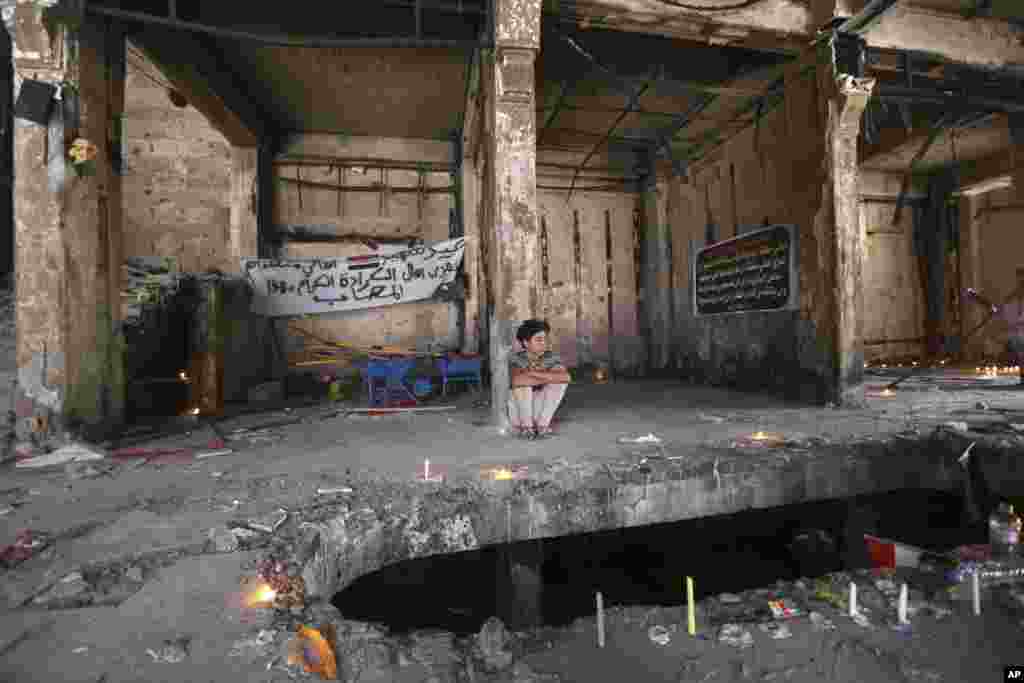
point(749, 273)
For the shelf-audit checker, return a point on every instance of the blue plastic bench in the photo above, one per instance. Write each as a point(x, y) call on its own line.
point(460, 369)
point(385, 379)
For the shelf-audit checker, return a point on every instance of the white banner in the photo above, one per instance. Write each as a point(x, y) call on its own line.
point(304, 286)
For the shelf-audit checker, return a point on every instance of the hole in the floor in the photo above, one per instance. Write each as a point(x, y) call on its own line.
point(648, 565)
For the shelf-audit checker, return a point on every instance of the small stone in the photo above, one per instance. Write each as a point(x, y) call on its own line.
point(223, 540)
point(71, 588)
point(492, 640)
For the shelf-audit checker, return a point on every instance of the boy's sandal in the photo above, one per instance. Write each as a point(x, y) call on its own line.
point(524, 433)
point(545, 432)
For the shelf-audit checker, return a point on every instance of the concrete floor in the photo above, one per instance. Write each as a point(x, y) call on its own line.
point(155, 518)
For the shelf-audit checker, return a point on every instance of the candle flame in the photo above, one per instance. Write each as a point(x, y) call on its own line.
point(263, 595)
point(502, 474)
point(759, 436)
point(194, 411)
point(887, 392)
point(183, 376)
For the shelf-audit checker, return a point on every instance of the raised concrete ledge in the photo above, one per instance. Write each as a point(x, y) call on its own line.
point(391, 522)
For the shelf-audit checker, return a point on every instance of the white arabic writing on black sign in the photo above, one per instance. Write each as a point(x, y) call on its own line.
point(749, 273)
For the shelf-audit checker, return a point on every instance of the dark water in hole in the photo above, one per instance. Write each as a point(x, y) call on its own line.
point(648, 565)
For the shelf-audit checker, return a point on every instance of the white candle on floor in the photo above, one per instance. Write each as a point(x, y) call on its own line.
point(853, 599)
point(976, 592)
point(901, 611)
point(600, 620)
point(426, 468)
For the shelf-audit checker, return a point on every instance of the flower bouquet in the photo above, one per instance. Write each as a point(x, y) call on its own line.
point(83, 157)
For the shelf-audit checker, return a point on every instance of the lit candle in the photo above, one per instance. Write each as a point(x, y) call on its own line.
point(600, 620)
point(691, 614)
point(901, 612)
point(502, 474)
point(887, 392)
point(853, 599)
point(426, 469)
point(976, 592)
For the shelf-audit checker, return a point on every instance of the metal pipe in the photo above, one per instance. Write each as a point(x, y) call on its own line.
point(285, 41)
point(964, 100)
point(368, 188)
point(324, 162)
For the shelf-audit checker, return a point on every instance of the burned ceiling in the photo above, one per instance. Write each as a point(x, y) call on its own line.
point(645, 78)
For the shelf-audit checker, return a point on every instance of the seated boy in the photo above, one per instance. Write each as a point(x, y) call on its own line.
point(539, 381)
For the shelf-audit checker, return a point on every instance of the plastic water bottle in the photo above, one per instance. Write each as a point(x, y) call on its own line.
point(1004, 531)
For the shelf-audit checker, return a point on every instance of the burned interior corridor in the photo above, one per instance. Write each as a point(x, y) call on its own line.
point(453, 340)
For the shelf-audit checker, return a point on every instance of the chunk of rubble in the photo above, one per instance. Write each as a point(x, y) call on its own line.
point(73, 452)
point(70, 589)
point(492, 643)
point(173, 651)
point(223, 540)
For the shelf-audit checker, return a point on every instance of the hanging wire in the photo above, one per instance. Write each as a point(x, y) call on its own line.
point(720, 8)
point(139, 66)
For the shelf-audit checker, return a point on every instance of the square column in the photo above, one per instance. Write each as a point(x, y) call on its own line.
point(511, 189)
point(243, 230)
point(824, 104)
point(68, 229)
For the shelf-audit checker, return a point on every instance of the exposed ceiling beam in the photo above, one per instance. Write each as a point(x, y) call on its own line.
point(472, 122)
point(869, 16)
point(631, 104)
point(198, 74)
point(278, 39)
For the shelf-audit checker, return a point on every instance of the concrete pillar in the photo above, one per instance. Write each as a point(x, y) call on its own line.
point(471, 259)
point(845, 106)
point(823, 111)
point(69, 228)
point(243, 231)
point(656, 277)
point(512, 192)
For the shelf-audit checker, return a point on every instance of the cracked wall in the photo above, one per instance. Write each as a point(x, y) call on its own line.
point(369, 213)
point(176, 189)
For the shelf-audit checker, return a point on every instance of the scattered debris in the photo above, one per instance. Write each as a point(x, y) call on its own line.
point(735, 635)
point(260, 642)
point(173, 652)
point(820, 622)
point(659, 635)
point(6, 511)
point(26, 544)
point(776, 630)
point(333, 490)
point(861, 619)
point(492, 644)
point(958, 426)
point(315, 653)
point(214, 454)
point(71, 453)
point(647, 438)
point(711, 418)
point(784, 609)
point(83, 470)
point(729, 599)
point(268, 524)
point(224, 541)
point(68, 590)
point(79, 650)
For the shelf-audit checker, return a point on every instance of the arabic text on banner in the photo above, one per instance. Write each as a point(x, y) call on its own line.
point(307, 286)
